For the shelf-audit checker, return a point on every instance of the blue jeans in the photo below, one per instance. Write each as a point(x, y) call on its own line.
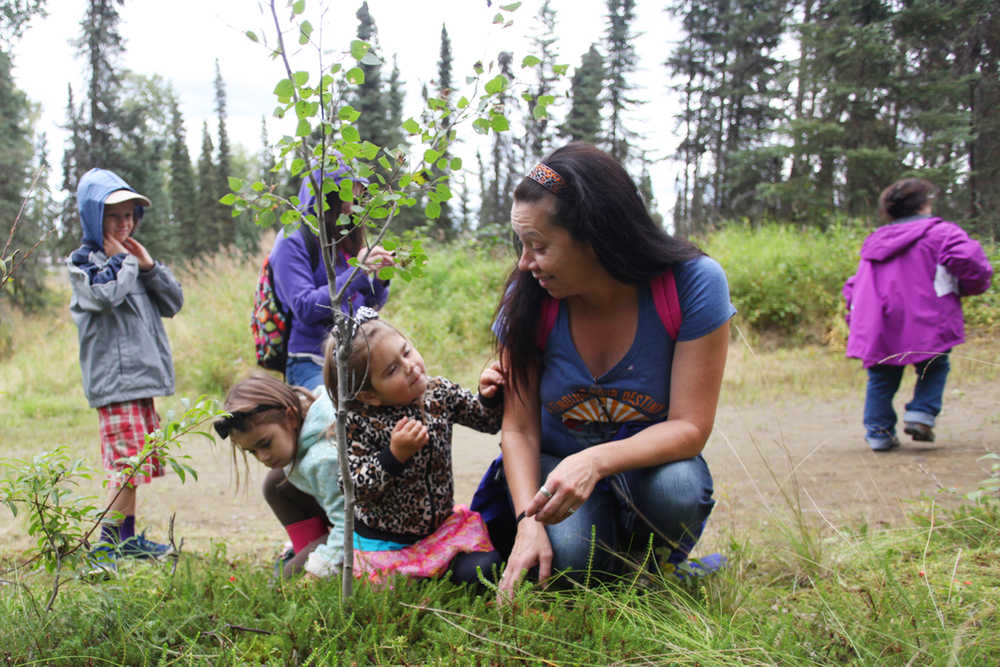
point(883, 382)
point(303, 372)
point(671, 502)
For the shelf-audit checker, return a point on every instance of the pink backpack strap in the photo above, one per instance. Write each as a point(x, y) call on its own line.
point(547, 321)
point(664, 292)
point(668, 306)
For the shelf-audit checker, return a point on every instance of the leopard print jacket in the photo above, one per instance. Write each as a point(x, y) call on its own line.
point(412, 499)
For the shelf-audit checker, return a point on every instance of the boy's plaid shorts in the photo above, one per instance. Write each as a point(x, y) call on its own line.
point(123, 433)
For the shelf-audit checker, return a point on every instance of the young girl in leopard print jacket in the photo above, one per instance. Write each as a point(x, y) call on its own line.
point(399, 428)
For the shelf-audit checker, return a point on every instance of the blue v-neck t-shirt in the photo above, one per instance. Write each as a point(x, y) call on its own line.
point(579, 411)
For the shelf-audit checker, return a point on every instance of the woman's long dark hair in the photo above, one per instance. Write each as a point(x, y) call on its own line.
point(599, 205)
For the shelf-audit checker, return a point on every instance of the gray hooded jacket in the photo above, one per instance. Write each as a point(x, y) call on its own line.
point(124, 351)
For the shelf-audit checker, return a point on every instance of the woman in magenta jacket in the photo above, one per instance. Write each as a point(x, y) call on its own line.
point(904, 307)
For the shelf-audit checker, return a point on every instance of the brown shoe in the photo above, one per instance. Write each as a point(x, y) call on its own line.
point(919, 432)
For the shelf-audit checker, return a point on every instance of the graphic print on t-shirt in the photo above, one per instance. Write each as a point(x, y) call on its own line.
point(597, 414)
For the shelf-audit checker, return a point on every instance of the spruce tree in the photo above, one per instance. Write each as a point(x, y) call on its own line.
point(583, 122)
point(208, 197)
point(370, 98)
point(183, 193)
point(619, 66)
point(225, 227)
point(102, 44)
point(543, 42)
point(15, 177)
point(444, 224)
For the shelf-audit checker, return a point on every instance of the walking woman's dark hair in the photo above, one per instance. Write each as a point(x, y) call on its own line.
point(905, 198)
point(598, 204)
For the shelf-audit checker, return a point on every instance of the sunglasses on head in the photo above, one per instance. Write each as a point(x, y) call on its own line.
point(237, 421)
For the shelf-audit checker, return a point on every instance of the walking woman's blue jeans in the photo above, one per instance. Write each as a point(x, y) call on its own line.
point(883, 382)
point(670, 501)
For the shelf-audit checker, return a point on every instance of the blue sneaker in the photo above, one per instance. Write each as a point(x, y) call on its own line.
point(138, 546)
point(884, 444)
point(695, 567)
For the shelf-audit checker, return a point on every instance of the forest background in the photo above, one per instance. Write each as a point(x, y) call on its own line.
point(796, 111)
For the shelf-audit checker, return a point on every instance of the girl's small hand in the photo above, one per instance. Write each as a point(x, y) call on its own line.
point(140, 252)
point(375, 258)
point(408, 437)
point(568, 485)
point(491, 381)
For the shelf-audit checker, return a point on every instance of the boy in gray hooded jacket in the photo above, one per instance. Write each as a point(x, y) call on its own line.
point(119, 296)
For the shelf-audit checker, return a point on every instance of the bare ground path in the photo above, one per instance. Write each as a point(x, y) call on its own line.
point(813, 448)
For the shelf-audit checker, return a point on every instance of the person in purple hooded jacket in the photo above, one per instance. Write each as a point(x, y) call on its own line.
point(301, 283)
point(904, 307)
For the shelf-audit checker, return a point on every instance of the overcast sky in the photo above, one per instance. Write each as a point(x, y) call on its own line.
point(181, 39)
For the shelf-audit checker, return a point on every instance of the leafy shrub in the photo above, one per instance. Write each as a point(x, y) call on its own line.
point(788, 279)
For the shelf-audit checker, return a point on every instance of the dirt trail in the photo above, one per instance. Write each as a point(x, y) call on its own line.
point(817, 443)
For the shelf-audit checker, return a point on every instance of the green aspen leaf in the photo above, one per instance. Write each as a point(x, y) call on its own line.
point(499, 123)
point(368, 152)
point(300, 78)
point(346, 190)
point(442, 164)
point(498, 18)
point(390, 244)
point(411, 126)
point(228, 199)
point(431, 155)
point(404, 180)
point(386, 272)
point(359, 49)
point(266, 218)
point(443, 191)
point(289, 216)
point(463, 103)
point(303, 129)
point(379, 213)
point(305, 32)
point(530, 61)
point(560, 69)
point(371, 60)
point(511, 7)
point(348, 113)
point(456, 163)
point(496, 84)
point(539, 112)
point(298, 164)
point(481, 125)
point(257, 186)
point(298, 7)
point(432, 210)
point(350, 133)
point(252, 36)
point(235, 183)
point(355, 75)
point(383, 162)
point(284, 90)
point(478, 67)
point(336, 67)
point(546, 99)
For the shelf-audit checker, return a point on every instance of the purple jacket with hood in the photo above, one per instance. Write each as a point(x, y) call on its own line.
point(303, 288)
point(904, 302)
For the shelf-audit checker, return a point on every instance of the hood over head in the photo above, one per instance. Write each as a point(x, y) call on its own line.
point(888, 241)
point(99, 187)
point(307, 199)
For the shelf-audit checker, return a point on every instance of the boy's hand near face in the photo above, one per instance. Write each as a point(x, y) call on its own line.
point(408, 437)
point(140, 252)
point(491, 381)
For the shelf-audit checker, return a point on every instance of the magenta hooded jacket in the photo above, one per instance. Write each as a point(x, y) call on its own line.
point(904, 303)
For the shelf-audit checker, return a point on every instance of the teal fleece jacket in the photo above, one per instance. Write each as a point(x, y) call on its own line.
point(316, 471)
